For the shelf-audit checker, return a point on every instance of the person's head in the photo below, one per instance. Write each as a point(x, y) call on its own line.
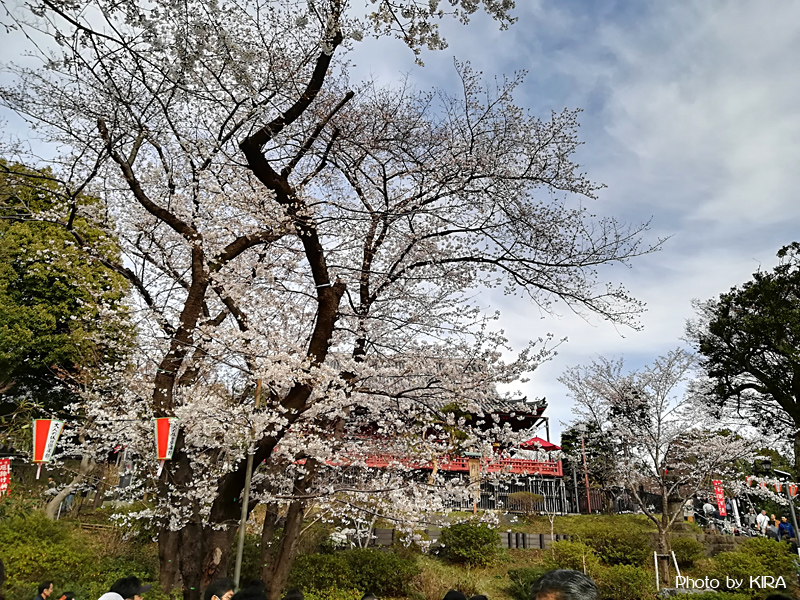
point(454, 595)
point(368, 596)
point(45, 589)
point(130, 588)
point(783, 520)
point(563, 584)
point(220, 589)
point(772, 517)
point(763, 512)
point(479, 597)
point(252, 590)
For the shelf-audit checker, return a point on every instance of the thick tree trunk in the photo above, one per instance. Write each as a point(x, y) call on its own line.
point(190, 558)
point(168, 559)
point(288, 550)
point(267, 539)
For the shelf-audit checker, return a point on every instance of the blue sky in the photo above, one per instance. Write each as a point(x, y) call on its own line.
point(691, 117)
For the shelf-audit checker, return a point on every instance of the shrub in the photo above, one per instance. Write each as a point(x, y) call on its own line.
point(321, 572)
point(720, 596)
point(35, 549)
point(470, 543)
point(687, 551)
point(571, 555)
point(756, 556)
point(382, 573)
point(618, 545)
point(332, 594)
point(521, 580)
point(626, 582)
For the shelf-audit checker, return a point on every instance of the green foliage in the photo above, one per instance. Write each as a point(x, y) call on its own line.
point(520, 581)
point(470, 543)
point(748, 340)
point(687, 551)
point(571, 555)
point(321, 572)
point(618, 545)
point(382, 573)
point(55, 300)
point(756, 556)
point(332, 594)
point(721, 596)
point(35, 549)
point(625, 582)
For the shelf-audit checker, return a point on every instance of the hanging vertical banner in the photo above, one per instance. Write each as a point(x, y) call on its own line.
point(719, 493)
point(763, 485)
point(5, 475)
point(749, 479)
point(45, 437)
point(792, 489)
point(166, 433)
point(778, 487)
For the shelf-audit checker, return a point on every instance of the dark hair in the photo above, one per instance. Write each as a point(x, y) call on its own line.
point(252, 590)
point(568, 585)
point(128, 587)
point(43, 586)
point(219, 587)
point(294, 594)
point(454, 595)
point(368, 596)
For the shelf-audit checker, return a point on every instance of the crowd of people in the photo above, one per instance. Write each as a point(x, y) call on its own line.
point(560, 584)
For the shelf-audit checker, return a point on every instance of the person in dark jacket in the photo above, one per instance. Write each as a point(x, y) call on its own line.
point(785, 529)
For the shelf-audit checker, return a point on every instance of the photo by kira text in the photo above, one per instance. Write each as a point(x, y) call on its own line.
point(761, 582)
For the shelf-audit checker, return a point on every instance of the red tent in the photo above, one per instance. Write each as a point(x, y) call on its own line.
point(537, 442)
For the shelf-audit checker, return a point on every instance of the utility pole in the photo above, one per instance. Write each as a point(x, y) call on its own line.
point(237, 573)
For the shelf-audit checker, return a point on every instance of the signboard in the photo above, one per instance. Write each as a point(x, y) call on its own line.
point(45, 437)
point(5, 475)
point(719, 493)
point(166, 435)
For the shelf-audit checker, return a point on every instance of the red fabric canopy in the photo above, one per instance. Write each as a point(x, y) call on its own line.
point(533, 443)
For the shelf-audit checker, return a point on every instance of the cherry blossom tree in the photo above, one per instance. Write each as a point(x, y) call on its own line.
point(304, 252)
point(668, 442)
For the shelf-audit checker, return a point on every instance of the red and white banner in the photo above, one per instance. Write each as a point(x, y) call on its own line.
point(763, 485)
point(45, 437)
point(792, 489)
point(777, 487)
point(166, 433)
point(719, 493)
point(5, 475)
point(749, 479)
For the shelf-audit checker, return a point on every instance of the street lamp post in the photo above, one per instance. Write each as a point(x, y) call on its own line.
point(582, 428)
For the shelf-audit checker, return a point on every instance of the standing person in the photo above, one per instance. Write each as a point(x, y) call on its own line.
point(44, 590)
point(127, 588)
point(762, 520)
point(220, 589)
point(688, 510)
point(775, 520)
point(785, 529)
